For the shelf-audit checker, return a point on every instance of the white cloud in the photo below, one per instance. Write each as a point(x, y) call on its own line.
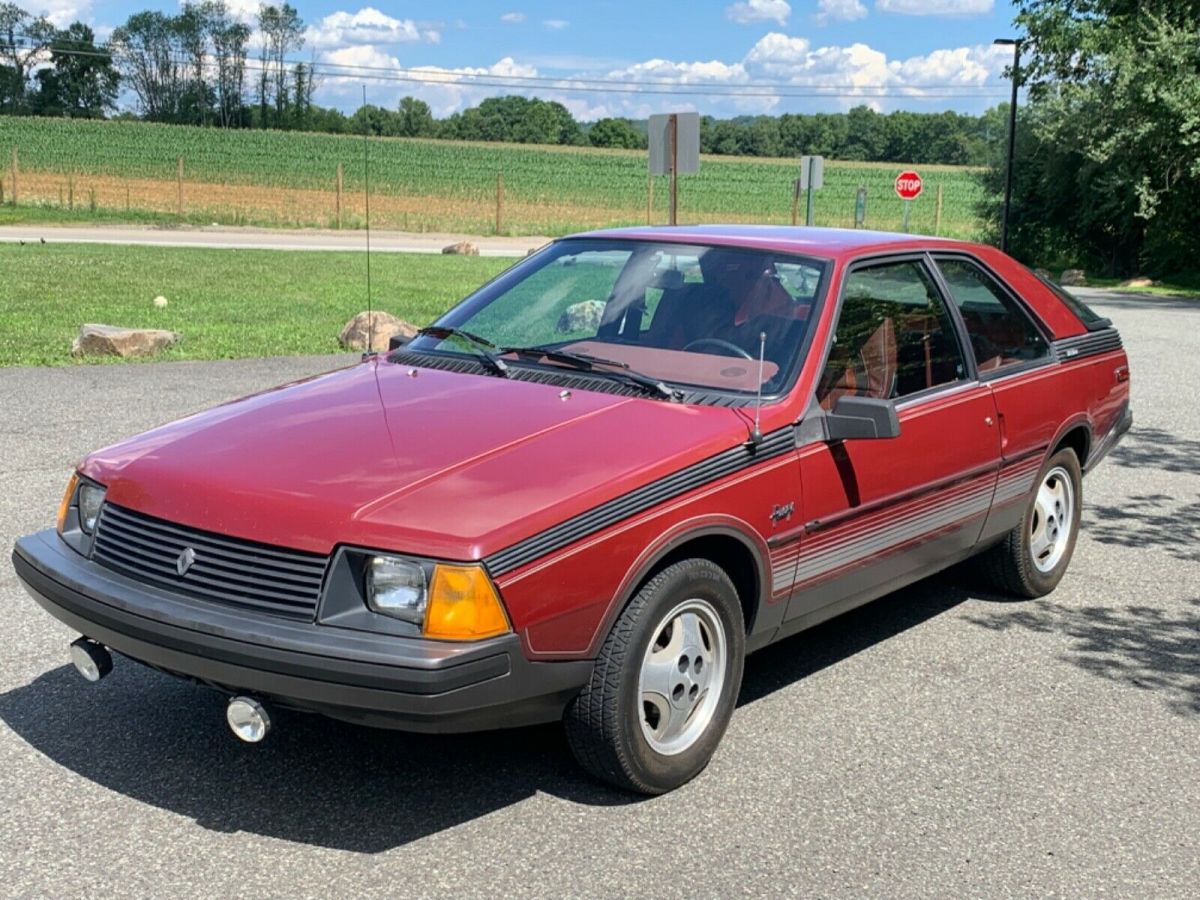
point(367, 26)
point(555, 24)
point(61, 13)
point(935, 7)
point(513, 18)
point(839, 11)
point(748, 11)
point(834, 77)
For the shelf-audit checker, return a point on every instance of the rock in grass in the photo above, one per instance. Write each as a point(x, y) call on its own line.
point(582, 316)
point(381, 326)
point(1073, 278)
point(112, 340)
point(160, 301)
point(462, 248)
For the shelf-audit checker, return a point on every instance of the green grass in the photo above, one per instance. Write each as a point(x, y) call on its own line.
point(1186, 285)
point(225, 303)
point(550, 190)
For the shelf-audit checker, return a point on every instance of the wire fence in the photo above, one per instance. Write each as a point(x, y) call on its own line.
point(290, 179)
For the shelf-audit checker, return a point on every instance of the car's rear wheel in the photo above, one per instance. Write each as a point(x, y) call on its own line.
point(1033, 557)
point(665, 682)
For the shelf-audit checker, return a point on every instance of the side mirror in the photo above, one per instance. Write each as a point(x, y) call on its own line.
point(861, 418)
point(396, 341)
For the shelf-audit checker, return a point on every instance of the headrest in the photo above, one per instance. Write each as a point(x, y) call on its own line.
point(668, 280)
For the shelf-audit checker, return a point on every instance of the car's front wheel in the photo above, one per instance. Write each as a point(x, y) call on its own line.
point(665, 682)
point(1033, 557)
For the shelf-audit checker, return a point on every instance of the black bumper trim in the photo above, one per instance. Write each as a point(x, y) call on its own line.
point(375, 679)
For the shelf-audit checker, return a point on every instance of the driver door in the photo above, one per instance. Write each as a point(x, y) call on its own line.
point(880, 513)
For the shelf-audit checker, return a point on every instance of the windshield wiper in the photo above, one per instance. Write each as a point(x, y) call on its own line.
point(588, 363)
point(481, 347)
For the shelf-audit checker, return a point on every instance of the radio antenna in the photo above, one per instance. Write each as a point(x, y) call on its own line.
point(756, 435)
point(367, 200)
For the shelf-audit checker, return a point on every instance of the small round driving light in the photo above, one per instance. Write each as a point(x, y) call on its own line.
point(90, 660)
point(248, 719)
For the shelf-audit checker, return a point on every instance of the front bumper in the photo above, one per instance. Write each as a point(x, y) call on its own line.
point(360, 676)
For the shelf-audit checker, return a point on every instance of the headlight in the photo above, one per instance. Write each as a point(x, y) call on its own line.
point(90, 498)
point(396, 587)
point(448, 602)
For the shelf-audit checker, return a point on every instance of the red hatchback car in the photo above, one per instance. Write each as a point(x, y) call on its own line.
point(595, 485)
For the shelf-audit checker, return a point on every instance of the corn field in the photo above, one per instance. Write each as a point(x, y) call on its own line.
point(290, 179)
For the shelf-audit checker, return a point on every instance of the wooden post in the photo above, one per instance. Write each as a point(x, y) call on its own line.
point(16, 171)
point(70, 192)
point(339, 196)
point(937, 216)
point(649, 199)
point(674, 169)
point(127, 196)
point(795, 202)
point(499, 201)
point(179, 187)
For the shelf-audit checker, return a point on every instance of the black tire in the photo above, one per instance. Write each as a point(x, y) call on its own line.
point(604, 723)
point(1009, 566)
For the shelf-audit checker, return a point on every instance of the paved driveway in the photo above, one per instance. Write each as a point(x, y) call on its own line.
point(938, 742)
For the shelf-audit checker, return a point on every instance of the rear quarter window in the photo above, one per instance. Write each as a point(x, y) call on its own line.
point(1091, 319)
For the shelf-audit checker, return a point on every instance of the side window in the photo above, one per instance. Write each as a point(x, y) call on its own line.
point(894, 336)
point(1001, 333)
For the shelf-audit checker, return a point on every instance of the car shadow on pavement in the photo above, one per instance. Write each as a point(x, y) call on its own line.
point(317, 781)
point(1145, 647)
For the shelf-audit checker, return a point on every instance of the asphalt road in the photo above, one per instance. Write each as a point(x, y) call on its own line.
point(939, 742)
point(263, 239)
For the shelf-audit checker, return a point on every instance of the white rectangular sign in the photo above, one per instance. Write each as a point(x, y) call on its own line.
point(687, 153)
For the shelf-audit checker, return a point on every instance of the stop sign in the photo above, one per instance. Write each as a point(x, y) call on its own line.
point(908, 185)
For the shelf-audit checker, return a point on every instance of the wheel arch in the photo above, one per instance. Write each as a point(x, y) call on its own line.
point(728, 542)
point(1077, 435)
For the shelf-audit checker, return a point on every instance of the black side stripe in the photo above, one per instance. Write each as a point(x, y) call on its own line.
point(639, 500)
point(1104, 341)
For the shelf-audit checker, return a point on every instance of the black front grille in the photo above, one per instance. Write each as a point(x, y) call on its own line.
point(225, 570)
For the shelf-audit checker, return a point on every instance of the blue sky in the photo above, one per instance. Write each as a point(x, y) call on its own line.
point(736, 56)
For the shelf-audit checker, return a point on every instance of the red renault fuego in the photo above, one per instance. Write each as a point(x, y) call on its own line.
point(591, 488)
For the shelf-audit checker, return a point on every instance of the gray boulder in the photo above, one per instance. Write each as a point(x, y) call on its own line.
point(1073, 278)
point(111, 340)
point(583, 316)
point(462, 248)
point(380, 325)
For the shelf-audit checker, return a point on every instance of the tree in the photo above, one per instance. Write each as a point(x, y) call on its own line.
point(149, 59)
point(415, 118)
point(229, 38)
point(23, 37)
point(1109, 146)
point(618, 133)
point(283, 32)
point(82, 80)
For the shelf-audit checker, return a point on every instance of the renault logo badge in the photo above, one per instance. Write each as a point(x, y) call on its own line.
point(185, 561)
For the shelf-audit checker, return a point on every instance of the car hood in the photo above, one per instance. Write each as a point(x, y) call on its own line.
point(422, 461)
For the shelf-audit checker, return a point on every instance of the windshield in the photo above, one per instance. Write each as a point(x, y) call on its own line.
point(689, 315)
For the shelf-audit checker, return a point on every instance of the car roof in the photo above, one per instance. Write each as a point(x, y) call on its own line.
point(824, 242)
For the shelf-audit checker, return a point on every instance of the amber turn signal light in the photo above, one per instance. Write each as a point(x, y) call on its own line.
point(65, 505)
point(463, 605)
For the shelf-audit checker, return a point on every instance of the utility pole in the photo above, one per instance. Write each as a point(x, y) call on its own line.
point(1015, 43)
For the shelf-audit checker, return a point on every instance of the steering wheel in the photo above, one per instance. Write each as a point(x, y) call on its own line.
point(724, 345)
